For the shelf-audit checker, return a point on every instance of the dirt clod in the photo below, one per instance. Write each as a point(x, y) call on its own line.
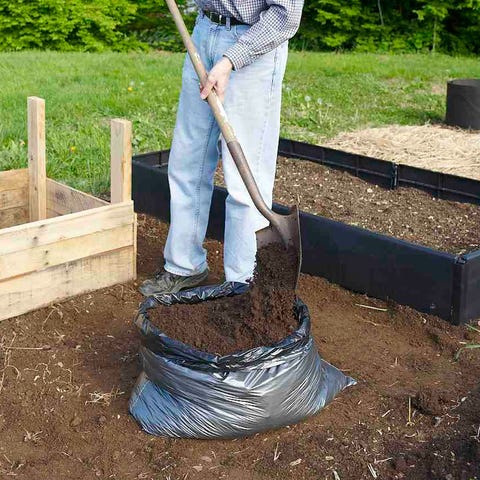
point(429, 402)
point(400, 464)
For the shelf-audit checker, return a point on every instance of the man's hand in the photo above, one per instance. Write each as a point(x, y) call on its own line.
point(218, 79)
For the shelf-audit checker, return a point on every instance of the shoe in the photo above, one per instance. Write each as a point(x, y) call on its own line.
point(166, 282)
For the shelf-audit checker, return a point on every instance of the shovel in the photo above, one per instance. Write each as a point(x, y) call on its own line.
point(283, 229)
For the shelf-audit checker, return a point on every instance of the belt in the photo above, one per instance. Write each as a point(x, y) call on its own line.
point(222, 19)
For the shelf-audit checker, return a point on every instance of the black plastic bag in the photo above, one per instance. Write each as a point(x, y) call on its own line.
point(183, 392)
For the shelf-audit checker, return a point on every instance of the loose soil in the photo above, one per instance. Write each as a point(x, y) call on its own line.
point(262, 316)
point(405, 213)
point(66, 373)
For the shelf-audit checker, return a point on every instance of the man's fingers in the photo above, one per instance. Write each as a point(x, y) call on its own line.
point(220, 92)
point(208, 87)
point(217, 79)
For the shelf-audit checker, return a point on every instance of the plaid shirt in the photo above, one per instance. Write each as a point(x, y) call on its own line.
point(272, 23)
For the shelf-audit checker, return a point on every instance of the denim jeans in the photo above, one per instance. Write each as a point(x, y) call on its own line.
point(252, 103)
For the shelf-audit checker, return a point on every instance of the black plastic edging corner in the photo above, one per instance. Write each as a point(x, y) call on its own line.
point(154, 158)
point(458, 291)
point(469, 308)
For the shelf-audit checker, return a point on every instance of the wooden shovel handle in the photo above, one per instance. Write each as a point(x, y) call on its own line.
point(221, 116)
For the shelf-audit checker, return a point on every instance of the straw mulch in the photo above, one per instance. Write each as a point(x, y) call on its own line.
point(432, 147)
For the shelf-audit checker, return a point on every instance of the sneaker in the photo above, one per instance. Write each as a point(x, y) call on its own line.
point(166, 282)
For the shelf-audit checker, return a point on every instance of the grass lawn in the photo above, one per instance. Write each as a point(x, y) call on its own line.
point(323, 95)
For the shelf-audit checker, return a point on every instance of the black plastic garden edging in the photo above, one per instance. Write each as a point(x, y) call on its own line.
point(384, 173)
point(363, 261)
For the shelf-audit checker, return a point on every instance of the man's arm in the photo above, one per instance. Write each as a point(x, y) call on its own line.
point(276, 25)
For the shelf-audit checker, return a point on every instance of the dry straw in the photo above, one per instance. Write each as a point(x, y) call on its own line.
point(433, 147)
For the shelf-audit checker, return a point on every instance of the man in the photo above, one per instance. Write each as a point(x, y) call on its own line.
point(243, 44)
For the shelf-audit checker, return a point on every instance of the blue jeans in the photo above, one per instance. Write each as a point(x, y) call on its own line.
point(252, 102)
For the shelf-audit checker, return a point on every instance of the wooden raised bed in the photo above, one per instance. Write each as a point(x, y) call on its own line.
point(55, 241)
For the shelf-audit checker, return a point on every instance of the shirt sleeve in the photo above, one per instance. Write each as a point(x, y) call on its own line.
point(277, 24)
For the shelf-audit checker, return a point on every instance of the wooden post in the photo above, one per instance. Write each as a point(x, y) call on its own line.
point(121, 161)
point(36, 159)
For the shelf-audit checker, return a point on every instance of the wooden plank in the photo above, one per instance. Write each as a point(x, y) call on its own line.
point(135, 232)
point(53, 230)
point(13, 198)
point(121, 161)
point(68, 250)
point(37, 159)
point(13, 179)
point(13, 216)
point(29, 292)
point(64, 200)
point(52, 213)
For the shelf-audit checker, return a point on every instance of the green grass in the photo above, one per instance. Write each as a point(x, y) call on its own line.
point(323, 95)
point(468, 346)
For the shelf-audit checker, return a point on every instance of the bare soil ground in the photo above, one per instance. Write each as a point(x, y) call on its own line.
point(66, 372)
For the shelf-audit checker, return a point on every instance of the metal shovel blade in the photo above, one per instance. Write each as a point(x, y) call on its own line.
point(284, 230)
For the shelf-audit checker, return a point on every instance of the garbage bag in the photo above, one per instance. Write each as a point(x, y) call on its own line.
point(183, 392)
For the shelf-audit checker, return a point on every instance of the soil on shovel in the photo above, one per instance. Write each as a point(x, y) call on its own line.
point(260, 317)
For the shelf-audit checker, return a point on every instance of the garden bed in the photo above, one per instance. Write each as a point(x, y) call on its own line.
point(66, 373)
point(55, 241)
point(443, 280)
point(405, 213)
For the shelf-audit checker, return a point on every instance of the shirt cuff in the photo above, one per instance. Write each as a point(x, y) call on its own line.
point(239, 55)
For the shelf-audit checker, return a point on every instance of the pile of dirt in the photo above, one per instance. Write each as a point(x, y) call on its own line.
point(260, 317)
